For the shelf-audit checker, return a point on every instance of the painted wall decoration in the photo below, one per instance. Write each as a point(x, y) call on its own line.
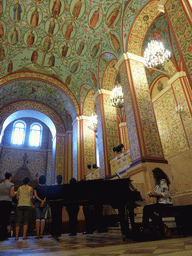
point(17, 11)
point(2, 29)
point(77, 8)
point(81, 46)
point(95, 49)
point(14, 36)
point(69, 29)
point(113, 15)
point(34, 17)
point(56, 7)
point(170, 125)
point(158, 85)
point(51, 26)
point(140, 27)
point(150, 134)
point(65, 49)
point(95, 17)
point(182, 29)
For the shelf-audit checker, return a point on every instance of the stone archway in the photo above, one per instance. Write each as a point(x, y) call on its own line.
point(51, 119)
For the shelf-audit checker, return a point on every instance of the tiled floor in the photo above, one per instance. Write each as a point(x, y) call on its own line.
point(97, 244)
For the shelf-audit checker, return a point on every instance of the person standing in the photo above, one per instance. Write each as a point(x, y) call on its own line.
point(73, 210)
point(56, 214)
point(6, 194)
point(24, 197)
point(40, 206)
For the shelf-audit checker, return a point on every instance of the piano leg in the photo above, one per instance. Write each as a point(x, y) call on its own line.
point(124, 222)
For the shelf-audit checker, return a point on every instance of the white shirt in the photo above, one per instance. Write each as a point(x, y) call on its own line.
point(163, 189)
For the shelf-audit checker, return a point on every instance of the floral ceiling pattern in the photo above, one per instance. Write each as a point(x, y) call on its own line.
point(71, 40)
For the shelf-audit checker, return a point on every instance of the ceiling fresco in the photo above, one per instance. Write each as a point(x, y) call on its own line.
point(71, 40)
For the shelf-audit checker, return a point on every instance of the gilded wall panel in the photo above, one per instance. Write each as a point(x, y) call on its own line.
point(110, 76)
point(131, 123)
point(140, 27)
point(169, 124)
point(89, 147)
point(149, 128)
point(59, 161)
point(111, 126)
point(182, 29)
point(185, 115)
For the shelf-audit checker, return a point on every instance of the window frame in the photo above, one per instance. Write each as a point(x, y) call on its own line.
point(13, 132)
point(40, 136)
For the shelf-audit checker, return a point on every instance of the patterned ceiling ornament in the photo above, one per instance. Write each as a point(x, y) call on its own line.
point(16, 11)
point(80, 46)
point(47, 44)
point(51, 26)
point(2, 6)
point(68, 79)
point(30, 38)
point(2, 29)
point(74, 67)
point(10, 67)
point(34, 56)
point(38, 1)
point(65, 49)
point(77, 8)
point(95, 49)
point(95, 17)
point(34, 16)
point(115, 41)
point(2, 52)
point(56, 7)
point(69, 29)
point(113, 15)
point(93, 77)
point(14, 35)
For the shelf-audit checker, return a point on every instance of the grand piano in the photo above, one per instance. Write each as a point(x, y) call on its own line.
point(119, 193)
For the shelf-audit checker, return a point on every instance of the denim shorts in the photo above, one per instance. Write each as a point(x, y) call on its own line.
point(40, 211)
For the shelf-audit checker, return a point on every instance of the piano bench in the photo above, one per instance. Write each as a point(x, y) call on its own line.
point(182, 215)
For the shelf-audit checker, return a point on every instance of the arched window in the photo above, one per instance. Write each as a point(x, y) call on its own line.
point(18, 133)
point(35, 135)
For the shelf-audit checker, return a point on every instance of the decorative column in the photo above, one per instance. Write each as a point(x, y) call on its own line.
point(124, 135)
point(83, 147)
point(179, 18)
point(144, 140)
point(107, 130)
point(68, 156)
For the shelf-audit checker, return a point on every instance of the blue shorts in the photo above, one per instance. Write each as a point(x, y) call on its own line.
point(40, 211)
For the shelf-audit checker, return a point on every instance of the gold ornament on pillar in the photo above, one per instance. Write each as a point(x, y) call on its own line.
point(117, 97)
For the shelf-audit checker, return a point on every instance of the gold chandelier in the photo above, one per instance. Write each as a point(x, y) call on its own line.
point(92, 123)
point(117, 96)
point(155, 55)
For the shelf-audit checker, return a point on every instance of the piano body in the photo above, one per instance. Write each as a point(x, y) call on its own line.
point(119, 193)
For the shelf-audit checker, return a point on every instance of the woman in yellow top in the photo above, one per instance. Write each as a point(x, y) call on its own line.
point(24, 197)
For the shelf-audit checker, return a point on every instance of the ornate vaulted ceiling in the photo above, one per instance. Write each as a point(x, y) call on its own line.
point(70, 40)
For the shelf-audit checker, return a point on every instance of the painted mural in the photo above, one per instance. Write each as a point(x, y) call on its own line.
point(170, 125)
point(59, 38)
point(182, 29)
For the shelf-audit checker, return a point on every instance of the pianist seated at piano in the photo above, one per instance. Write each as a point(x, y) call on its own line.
point(162, 194)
